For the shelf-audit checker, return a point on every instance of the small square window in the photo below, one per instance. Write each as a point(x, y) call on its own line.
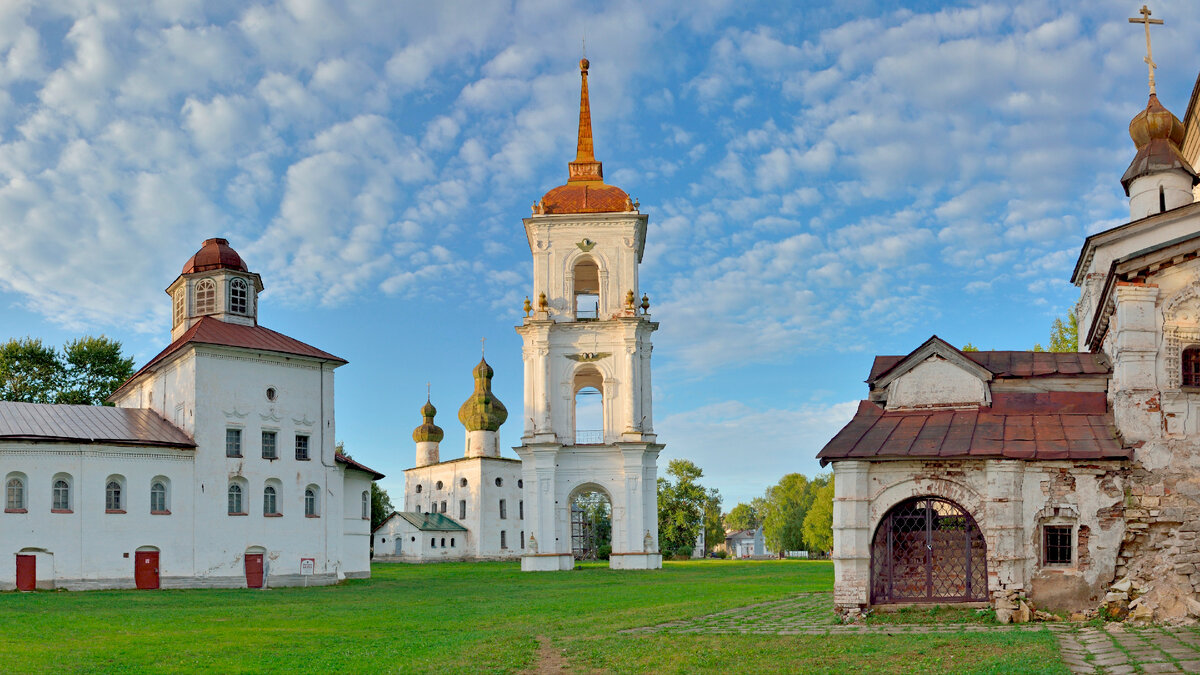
point(233, 442)
point(1057, 547)
point(301, 447)
point(268, 445)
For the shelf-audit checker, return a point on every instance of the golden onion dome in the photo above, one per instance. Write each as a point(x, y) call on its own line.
point(1154, 123)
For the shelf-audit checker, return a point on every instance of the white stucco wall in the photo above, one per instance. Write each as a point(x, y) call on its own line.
point(482, 497)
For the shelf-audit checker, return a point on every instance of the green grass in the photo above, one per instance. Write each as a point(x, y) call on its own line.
point(458, 617)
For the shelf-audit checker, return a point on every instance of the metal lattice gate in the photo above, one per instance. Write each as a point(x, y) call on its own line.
point(928, 550)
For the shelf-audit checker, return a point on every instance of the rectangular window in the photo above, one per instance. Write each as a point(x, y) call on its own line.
point(462, 509)
point(233, 442)
point(521, 511)
point(1057, 544)
point(443, 507)
point(268, 445)
point(503, 510)
point(503, 539)
point(301, 447)
point(1191, 367)
point(522, 538)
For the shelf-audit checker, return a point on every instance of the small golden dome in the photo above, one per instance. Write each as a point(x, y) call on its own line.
point(1155, 123)
point(428, 431)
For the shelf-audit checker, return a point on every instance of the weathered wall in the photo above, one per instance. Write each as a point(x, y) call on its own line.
point(1010, 500)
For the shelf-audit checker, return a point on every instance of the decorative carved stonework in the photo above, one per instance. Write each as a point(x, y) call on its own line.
point(588, 357)
point(1181, 316)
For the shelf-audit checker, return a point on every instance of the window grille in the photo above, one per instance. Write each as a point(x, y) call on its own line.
point(268, 445)
point(206, 297)
point(310, 502)
point(15, 497)
point(158, 497)
point(503, 510)
point(62, 496)
point(1191, 367)
point(269, 505)
point(237, 296)
point(235, 499)
point(503, 539)
point(301, 447)
point(1057, 547)
point(112, 496)
point(366, 505)
point(233, 442)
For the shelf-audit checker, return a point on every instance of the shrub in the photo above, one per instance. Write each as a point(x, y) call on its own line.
point(603, 552)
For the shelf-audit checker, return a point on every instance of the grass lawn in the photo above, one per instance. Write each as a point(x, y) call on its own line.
point(459, 617)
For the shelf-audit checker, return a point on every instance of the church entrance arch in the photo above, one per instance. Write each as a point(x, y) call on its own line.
point(928, 549)
point(591, 522)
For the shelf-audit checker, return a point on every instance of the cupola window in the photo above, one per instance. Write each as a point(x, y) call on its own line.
point(178, 307)
point(587, 290)
point(237, 296)
point(206, 297)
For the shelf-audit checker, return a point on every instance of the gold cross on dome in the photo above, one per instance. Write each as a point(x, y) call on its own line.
point(1146, 20)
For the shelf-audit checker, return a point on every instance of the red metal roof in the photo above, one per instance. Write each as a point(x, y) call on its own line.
point(214, 254)
point(1045, 426)
point(208, 330)
point(361, 467)
point(1018, 364)
point(88, 424)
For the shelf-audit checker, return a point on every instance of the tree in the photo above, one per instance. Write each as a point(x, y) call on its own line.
point(970, 347)
point(818, 522)
point(95, 368)
point(30, 371)
point(742, 517)
point(787, 505)
point(681, 506)
point(1064, 337)
point(714, 531)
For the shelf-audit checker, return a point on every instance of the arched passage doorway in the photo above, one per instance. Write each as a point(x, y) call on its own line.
point(928, 549)
point(591, 523)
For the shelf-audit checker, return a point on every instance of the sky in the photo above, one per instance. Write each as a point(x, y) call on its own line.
point(824, 182)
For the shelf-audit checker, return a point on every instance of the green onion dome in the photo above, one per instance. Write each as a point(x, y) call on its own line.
point(482, 411)
point(428, 431)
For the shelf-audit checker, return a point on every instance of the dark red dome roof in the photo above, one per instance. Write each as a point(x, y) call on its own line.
point(215, 254)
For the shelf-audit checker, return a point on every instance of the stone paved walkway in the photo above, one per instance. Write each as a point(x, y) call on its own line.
point(1115, 649)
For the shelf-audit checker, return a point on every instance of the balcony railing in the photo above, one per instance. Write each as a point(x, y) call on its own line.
point(589, 437)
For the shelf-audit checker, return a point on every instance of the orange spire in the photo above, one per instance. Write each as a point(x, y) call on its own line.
point(585, 168)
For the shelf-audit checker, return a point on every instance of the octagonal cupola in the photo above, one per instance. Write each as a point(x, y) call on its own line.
point(215, 282)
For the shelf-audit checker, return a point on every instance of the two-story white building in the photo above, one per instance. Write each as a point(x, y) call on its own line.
point(216, 468)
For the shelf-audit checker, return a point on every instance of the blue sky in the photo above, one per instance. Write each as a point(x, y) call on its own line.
point(825, 182)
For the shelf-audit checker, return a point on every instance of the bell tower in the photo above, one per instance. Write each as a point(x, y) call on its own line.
point(588, 327)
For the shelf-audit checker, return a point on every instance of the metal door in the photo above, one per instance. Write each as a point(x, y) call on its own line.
point(145, 569)
point(26, 572)
point(254, 570)
point(928, 549)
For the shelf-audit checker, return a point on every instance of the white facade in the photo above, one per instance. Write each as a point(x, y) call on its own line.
point(586, 330)
point(295, 502)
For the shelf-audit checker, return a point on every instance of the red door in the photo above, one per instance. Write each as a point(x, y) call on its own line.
point(254, 570)
point(26, 572)
point(145, 569)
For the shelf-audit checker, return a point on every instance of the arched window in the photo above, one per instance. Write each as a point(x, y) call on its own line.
point(158, 497)
point(1190, 362)
point(432, 542)
point(310, 502)
point(443, 542)
point(177, 302)
point(418, 508)
point(589, 407)
point(60, 495)
point(112, 497)
point(235, 499)
point(237, 296)
point(366, 505)
point(270, 505)
point(14, 499)
point(206, 297)
point(587, 290)
point(451, 542)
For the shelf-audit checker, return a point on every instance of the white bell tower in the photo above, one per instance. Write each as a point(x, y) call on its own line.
point(588, 327)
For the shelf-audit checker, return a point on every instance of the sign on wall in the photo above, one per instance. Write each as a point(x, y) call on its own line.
point(308, 566)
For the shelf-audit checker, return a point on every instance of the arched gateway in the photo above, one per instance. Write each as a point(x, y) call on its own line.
point(928, 549)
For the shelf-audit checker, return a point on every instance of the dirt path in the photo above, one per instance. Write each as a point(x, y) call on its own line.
point(549, 659)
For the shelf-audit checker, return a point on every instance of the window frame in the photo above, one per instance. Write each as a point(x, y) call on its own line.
point(272, 434)
point(235, 491)
point(366, 504)
point(165, 506)
point(234, 434)
point(462, 509)
point(114, 499)
point(305, 456)
point(1058, 547)
point(503, 509)
point(312, 508)
point(1189, 367)
point(15, 499)
point(234, 285)
point(63, 506)
point(206, 303)
point(270, 501)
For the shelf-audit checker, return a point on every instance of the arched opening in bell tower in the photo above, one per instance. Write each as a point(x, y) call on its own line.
point(588, 408)
point(587, 290)
point(591, 523)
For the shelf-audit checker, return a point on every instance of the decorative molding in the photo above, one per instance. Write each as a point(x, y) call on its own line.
point(1181, 316)
point(106, 454)
point(272, 417)
point(303, 421)
point(231, 414)
point(586, 245)
point(588, 357)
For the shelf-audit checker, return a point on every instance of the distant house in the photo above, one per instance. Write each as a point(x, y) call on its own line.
point(421, 537)
point(746, 543)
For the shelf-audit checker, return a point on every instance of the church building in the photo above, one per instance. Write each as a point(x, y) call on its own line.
point(467, 508)
point(215, 466)
point(1065, 478)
